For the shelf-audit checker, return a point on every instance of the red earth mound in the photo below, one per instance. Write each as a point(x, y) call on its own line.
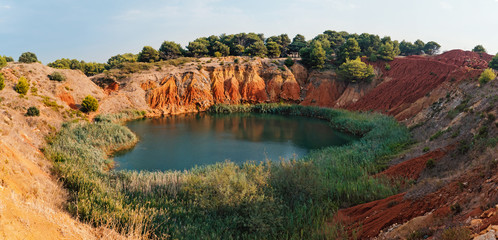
point(413, 77)
point(375, 216)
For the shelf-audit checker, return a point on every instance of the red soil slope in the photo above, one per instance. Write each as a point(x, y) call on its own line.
point(375, 216)
point(413, 77)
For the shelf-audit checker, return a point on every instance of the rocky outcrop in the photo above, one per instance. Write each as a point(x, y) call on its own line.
point(410, 85)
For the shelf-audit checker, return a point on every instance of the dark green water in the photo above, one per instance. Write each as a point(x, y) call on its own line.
point(182, 142)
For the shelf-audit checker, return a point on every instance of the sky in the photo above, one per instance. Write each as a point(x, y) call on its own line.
point(94, 30)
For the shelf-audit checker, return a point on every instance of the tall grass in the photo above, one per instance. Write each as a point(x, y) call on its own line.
point(274, 200)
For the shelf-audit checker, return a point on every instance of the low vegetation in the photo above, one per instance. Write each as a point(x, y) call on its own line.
point(22, 86)
point(486, 76)
point(356, 71)
point(57, 76)
point(89, 104)
point(2, 81)
point(33, 112)
point(290, 199)
point(28, 57)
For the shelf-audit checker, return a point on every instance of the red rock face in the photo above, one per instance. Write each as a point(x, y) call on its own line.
point(197, 90)
point(165, 95)
point(397, 91)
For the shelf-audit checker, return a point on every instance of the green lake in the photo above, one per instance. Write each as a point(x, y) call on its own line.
point(185, 141)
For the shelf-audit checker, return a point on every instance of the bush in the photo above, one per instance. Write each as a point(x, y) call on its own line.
point(487, 76)
point(28, 57)
point(236, 61)
point(494, 62)
point(289, 62)
point(3, 62)
point(89, 104)
point(430, 163)
point(355, 70)
point(388, 66)
point(57, 76)
point(456, 233)
point(2, 81)
point(33, 111)
point(8, 59)
point(22, 86)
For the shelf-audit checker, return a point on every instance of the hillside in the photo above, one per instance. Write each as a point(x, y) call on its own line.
point(450, 116)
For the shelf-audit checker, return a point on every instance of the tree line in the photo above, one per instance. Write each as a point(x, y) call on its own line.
point(328, 47)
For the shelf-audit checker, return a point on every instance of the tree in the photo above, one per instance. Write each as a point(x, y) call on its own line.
point(273, 49)
point(387, 51)
point(431, 48)
point(313, 56)
point(33, 112)
point(118, 60)
point(237, 50)
point(289, 62)
point(198, 48)
point(169, 50)
point(2, 81)
point(479, 49)
point(494, 62)
point(349, 50)
point(22, 86)
point(355, 70)
point(8, 59)
point(487, 75)
point(298, 43)
point(257, 49)
point(407, 48)
point(419, 47)
point(28, 57)
point(148, 54)
point(3, 62)
point(89, 104)
point(219, 47)
point(317, 55)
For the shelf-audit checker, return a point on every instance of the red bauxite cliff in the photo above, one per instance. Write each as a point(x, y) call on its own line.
point(411, 84)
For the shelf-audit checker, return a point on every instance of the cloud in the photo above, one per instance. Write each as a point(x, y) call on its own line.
point(5, 7)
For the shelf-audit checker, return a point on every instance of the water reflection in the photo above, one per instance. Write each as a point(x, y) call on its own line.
point(181, 142)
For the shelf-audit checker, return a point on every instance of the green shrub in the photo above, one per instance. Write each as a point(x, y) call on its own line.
point(57, 76)
point(373, 57)
point(28, 57)
point(289, 62)
point(430, 163)
point(8, 59)
point(89, 104)
point(236, 61)
point(22, 86)
point(426, 149)
point(2, 81)
point(33, 111)
point(487, 75)
point(3, 62)
point(356, 70)
point(493, 64)
point(456, 233)
point(217, 54)
point(387, 66)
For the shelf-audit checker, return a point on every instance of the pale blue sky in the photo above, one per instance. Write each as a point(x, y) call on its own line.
point(94, 30)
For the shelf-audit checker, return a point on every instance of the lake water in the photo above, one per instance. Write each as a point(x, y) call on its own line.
point(184, 141)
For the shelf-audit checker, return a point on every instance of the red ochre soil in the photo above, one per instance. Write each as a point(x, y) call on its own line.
point(373, 217)
point(414, 77)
